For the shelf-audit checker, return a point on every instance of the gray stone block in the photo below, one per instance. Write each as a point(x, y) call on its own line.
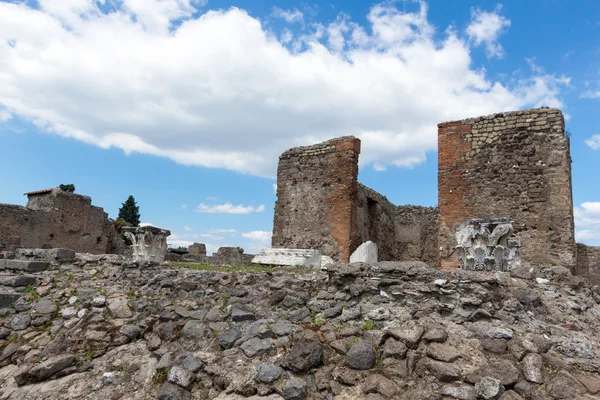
point(7, 299)
point(22, 265)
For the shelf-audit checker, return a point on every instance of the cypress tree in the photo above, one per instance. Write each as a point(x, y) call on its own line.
point(130, 212)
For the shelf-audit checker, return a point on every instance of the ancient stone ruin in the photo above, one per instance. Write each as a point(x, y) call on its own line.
point(485, 245)
point(514, 165)
point(148, 243)
point(320, 205)
point(54, 218)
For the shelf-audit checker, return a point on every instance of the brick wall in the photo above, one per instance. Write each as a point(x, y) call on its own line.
point(588, 262)
point(515, 165)
point(316, 196)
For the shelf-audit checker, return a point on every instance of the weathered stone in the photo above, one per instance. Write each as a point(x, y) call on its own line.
point(366, 252)
point(292, 257)
point(294, 389)
point(379, 384)
point(409, 335)
point(565, 386)
point(445, 372)
point(227, 340)
point(169, 391)
point(394, 348)
point(45, 306)
point(240, 315)
point(489, 388)
point(532, 368)
point(131, 331)
point(268, 373)
point(511, 395)
point(497, 346)
point(304, 355)
point(8, 299)
point(458, 392)
point(193, 330)
point(442, 352)
point(51, 366)
point(22, 265)
point(149, 243)
point(255, 346)
point(501, 369)
point(20, 322)
point(181, 376)
point(118, 308)
point(361, 355)
point(68, 312)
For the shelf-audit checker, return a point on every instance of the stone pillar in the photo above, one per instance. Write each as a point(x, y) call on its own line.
point(197, 249)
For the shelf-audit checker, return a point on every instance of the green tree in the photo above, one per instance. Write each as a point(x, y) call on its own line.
point(67, 188)
point(130, 212)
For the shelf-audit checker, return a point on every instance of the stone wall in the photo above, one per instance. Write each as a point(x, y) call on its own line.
point(401, 232)
point(316, 196)
point(515, 165)
point(588, 262)
point(320, 205)
point(55, 218)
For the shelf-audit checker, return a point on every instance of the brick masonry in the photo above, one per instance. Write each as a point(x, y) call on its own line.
point(588, 262)
point(320, 205)
point(515, 165)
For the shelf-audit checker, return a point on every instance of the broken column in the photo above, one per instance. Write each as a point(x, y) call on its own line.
point(485, 244)
point(149, 243)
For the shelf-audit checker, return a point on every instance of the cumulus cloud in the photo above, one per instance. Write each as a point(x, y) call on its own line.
point(228, 208)
point(215, 88)
point(594, 142)
point(591, 94)
point(379, 167)
point(587, 221)
point(259, 236)
point(485, 28)
point(188, 228)
point(223, 231)
point(5, 115)
point(288, 15)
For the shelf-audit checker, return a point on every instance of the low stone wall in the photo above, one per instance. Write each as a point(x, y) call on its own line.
point(101, 328)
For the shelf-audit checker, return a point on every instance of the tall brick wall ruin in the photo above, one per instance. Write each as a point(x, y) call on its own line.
point(54, 219)
point(321, 205)
point(588, 262)
point(515, 165)
point(316, 196)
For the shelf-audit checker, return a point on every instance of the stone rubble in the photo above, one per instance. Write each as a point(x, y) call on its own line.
point(103, 328)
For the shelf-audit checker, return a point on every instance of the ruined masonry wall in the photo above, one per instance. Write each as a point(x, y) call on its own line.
point(401, 232)
point(58, 219)
point(515, 165)
point(316, 196)
point(588, 262)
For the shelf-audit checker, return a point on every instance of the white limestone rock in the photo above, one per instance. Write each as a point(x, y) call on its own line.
point(366, 252)
point(292, 257)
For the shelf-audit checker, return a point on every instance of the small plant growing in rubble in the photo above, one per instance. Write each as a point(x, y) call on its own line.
point(368, 325)
point(69, 187)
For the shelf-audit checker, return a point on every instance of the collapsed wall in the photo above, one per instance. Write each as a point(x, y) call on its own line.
point(54, 218)
point(513, 165)
point(320, 205)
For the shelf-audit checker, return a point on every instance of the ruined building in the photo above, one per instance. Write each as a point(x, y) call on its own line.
point(55, 218)
point(321, 205)
point(508, 170)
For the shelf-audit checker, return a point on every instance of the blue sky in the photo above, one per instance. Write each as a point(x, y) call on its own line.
point(187, 104)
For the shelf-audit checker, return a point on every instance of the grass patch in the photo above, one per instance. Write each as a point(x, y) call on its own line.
point(368, 325)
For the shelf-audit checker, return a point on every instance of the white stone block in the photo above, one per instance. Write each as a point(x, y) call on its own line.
point(292, 257)
point(366, 252)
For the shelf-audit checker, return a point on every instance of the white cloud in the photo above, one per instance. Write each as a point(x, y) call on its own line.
point(288, 15)
point(485, 28)
point(379, 167)
point(274, 188)
point(259, 236)
point(220, 90)
point(188, 228)
point(225, 231)
point(209, 236)
point(594, 142)
point(5, 115)
point(228, 208)
point(587, 222)
point(591, 94)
